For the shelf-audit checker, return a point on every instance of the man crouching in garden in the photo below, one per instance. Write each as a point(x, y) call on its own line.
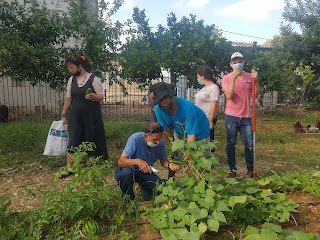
point(136, 162)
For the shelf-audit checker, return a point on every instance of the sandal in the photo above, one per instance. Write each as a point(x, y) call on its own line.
point(65, 175)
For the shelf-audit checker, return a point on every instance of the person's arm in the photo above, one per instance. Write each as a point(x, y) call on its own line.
point(168, 133)
point(125, 161)
point(169, 165)
point(191, 138)
point(230, 89)
point(254, 75)
point(98, 95)
point(65, 108)
point(213, 110)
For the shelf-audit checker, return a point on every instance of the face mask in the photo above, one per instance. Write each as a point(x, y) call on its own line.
point(150, 144)
point(199, 81)
point(77, 73)
point(238, 65)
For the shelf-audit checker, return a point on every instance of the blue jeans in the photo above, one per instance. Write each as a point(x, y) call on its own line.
point(244, 126)
point(127, 176)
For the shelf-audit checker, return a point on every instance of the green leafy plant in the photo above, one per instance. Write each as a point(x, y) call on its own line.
point(202, 201)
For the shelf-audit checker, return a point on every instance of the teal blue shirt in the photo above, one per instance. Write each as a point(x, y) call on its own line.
point(188, 119)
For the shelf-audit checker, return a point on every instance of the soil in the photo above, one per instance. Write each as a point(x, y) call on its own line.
point(15, 185)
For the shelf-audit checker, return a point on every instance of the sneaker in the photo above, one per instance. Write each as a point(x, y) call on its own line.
point(252, 175)
point(232, 174)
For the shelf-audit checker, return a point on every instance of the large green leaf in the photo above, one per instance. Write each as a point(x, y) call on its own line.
point(177, 145)
point(191, 236)
point(202, 227)
point(273, 227)
point(178, 232)
point(237, 199)
point(221, 206)
point(213, 225)
point(179, 213)
point(189, 219)
point(219, 216)
point(251, 230)
point(200, 188)
point(199, 214)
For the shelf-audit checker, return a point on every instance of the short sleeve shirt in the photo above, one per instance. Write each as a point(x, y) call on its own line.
point(96, 84)
point(136, 148)
point(239, 104)
point(204, 97)
point(188, 119)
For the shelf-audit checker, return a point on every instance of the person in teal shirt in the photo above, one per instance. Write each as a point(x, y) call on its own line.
point(188, 120)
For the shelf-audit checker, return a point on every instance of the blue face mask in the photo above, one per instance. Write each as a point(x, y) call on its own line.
point(150, 144)
point(199, 81)
point(238, 65)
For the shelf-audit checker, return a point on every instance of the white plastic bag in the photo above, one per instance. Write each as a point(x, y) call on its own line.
point(57, 140)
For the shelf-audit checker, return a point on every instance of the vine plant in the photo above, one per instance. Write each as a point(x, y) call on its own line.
point(203, 200)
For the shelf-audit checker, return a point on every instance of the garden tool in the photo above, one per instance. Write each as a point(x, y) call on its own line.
point(254, 174)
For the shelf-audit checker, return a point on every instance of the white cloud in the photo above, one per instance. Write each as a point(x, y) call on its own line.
point(190, 3)
point(197, 3)
point(251, 9)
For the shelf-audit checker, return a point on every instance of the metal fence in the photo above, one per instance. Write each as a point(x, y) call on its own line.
point(24, 99)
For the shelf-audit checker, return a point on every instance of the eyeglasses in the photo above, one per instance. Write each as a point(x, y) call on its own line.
point(156, 130)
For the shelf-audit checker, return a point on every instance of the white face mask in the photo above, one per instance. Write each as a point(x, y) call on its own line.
point(150, 144)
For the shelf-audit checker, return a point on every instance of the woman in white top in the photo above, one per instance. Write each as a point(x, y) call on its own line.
point(208, 97)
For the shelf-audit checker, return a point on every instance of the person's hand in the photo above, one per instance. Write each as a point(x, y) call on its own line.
point(254, 74)
point(187, 159)
point(144, 166)
point(64, 120)
point(211, 125)
point(91, 96)
point(236, 72)
point(174, 167)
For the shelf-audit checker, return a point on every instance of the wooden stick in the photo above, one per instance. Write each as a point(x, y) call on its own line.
point(143, 105)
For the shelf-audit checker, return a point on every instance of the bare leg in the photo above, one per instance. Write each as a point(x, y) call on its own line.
point(87, 161)
point(69, 155)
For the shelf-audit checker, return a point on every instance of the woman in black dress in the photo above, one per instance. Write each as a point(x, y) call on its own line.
point(85, 119)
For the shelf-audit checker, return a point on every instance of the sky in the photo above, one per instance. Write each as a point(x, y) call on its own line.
point(258, 18)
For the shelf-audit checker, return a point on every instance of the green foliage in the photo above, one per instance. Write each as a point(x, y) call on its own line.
point(34, 41)
point(180, 48)
point(201, 201)
point(62, 212)
point(275, 232)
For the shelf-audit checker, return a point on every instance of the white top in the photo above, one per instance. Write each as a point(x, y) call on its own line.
point(205, 96)
point(82, 80)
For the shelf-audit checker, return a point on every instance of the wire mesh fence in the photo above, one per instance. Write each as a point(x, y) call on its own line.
point(23, 99)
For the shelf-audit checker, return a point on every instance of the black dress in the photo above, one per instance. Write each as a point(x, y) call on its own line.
point(85, 121)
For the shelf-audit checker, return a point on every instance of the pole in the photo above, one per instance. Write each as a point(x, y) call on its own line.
point(254, 175)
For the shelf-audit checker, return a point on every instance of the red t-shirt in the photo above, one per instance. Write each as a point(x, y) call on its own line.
point(239, 104)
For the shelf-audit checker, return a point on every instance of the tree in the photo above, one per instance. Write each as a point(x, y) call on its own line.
point(300, 50)
point(179, 48)
point(34, 42)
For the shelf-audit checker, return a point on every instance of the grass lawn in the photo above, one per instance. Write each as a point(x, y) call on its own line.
point(278, 149)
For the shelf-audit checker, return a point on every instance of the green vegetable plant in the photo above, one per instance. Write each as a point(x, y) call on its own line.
point(275, 232)
point(204, 200)
point(63, 211)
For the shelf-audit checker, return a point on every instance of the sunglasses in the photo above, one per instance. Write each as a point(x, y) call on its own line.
point(156, 130)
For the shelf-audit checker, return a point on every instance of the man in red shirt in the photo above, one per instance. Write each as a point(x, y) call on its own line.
point(237, 87)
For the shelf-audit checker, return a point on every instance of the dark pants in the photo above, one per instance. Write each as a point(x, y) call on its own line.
point(127, 176)
point(214, 121)
point(244, 126)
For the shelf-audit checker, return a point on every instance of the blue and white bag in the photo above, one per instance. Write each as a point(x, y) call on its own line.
point(57, 140)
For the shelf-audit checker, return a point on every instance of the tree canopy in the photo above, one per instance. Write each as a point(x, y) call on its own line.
point(35, 42)
point(179, 48)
